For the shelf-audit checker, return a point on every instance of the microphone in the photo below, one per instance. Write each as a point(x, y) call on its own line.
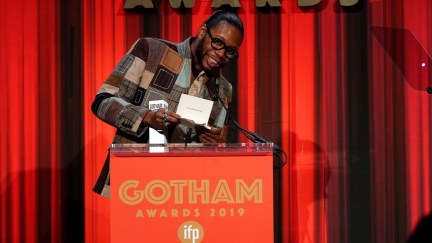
point(215, 94)
point(252, 136)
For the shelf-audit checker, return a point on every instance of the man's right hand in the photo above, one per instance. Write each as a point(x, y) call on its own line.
point(160, 119)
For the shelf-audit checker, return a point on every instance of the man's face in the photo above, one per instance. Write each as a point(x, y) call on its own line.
point(211, 59)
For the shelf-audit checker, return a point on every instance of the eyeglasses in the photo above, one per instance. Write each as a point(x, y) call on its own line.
point(218, 44)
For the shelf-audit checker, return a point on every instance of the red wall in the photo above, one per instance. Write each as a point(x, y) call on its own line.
point(314, 80)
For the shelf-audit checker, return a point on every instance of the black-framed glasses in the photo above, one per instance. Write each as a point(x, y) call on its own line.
point(218, 44)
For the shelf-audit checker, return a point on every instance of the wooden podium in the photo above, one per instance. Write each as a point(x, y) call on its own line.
point(194, 193)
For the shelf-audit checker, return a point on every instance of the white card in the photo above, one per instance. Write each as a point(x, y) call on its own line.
point(194, 109)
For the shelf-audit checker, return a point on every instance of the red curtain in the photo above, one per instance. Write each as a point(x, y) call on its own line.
point(313, 79)
point(30, 123)
point(400, 125)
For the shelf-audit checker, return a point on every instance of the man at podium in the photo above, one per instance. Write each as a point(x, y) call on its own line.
point(160, 70)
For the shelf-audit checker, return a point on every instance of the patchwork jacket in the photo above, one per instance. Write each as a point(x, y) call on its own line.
point(153, 69)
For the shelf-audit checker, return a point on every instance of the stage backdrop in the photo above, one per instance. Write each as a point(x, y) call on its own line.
point(313, 79)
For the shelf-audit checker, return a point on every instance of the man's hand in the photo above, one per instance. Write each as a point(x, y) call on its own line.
point(160, 119)
point(209, 136)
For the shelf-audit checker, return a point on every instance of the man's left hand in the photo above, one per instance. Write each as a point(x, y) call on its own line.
point(209, 136)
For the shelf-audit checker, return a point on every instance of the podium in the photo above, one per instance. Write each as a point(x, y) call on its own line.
point(192, 193)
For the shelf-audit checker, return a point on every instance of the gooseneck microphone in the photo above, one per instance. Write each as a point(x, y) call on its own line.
point(252, 136)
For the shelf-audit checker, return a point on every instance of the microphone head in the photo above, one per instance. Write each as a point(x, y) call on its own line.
point(214, 87)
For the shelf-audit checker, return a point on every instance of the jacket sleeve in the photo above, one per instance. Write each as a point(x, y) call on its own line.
point(114, 102)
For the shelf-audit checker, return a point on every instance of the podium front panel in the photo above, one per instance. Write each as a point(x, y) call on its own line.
point(198, 194)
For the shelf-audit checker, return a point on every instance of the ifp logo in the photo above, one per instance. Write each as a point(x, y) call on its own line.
point(190, 232)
